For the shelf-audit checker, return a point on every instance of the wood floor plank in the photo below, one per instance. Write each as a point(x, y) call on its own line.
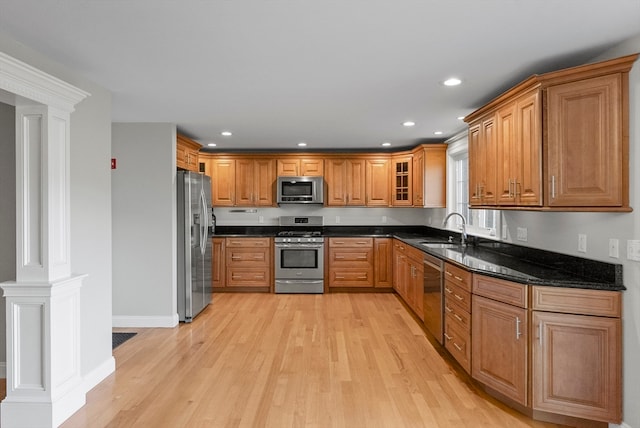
point(274, 360)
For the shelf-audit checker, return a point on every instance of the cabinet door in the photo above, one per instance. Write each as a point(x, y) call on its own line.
point(312, 167)
point(577, 365)
point(377, 176)
point(585, 157)
point(402, 181)
point(506, 156)
point(245, 178)
point(434, 178)
point(499, 347)
point(223, 181)
point(528, 151)
point(475, 169)
point(418, 178)
point(356, 183)
point(264, 182)
point(288, 168)
point(382, 262)
point(336, 178)
point(218, 263)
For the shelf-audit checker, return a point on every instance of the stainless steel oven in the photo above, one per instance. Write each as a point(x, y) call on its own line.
point(299, 255)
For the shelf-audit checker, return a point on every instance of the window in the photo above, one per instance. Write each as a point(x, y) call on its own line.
point(480, 222)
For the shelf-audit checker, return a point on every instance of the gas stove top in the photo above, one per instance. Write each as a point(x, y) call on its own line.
point(302, 229)
point(300, 233)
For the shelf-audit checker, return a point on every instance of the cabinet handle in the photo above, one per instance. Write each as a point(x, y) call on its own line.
point(540, 333)
point(518, 332)
point(448, 290)
point(517, 186)
point(362, 257)
point(339, 257)
point(448, 273)
point(236, 257)
point(362, 277)
point(362, 242)
point(446, 336)
point(553, 186)
point(460, 298)
point(458, 347)
point(448, 309)
point(339, 277)
point(458, 317)
point(510, 192)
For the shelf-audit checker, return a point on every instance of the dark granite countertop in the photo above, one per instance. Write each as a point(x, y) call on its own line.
point(498, 259)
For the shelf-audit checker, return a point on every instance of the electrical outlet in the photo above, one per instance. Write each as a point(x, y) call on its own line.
point(337, 219)
point(582, 243)
point(261, 219)
point(384, 218)
point(522, 234)
point(613, 248)
point(633, 250)
point(504, 231)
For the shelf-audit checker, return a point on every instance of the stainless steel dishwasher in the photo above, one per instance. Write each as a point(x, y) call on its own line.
point(433, 301)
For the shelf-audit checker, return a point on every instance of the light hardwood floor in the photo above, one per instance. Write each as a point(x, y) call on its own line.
point(267, 360)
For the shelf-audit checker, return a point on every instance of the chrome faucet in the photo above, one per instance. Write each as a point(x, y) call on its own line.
point(463, 236)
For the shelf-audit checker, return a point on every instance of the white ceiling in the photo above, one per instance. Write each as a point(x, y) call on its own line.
point(336, 74)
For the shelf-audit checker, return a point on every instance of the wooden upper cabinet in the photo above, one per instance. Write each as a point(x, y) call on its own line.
point(345, 178)
point(561, 139)
point(295, 167)
point(586, 155)
point(255, 181)
point(223, 181)
point(402, 187)
point(187, 153)
point(429, 176)
point(377, 182)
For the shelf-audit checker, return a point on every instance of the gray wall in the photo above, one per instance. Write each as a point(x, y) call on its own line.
point(7, 207)
point(144, 225)
point(559, 232)
point(90, 208)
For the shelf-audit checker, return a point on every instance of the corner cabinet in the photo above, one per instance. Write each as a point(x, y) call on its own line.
point(556, 141)
point(187, 153)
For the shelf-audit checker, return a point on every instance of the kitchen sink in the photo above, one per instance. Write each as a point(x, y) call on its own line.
point(440, 244)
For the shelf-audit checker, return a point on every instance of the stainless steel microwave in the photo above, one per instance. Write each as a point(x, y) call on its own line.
point(300, 190)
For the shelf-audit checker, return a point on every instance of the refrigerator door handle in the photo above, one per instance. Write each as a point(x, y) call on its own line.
point(204, 222)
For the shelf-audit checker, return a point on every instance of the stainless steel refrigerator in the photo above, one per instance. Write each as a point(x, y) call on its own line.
point(195, 228)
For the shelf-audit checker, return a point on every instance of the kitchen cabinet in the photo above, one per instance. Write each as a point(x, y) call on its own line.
point(500, 336)
point(382, 262)
point(457, 314)
point(296, 167)
point(241, 181)
point(577, 353)
point(377, 192)
point(408, 276)
point(187, 154)
point(249, 264)
point(351, 262)
point(560, 140)
point(402, 167)
point(429, 176)
point(218, 260)
point(345, 180)
point(255, 182)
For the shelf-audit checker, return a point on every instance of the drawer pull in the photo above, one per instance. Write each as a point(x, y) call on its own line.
point(362, 243)
point(448, 273)
point(447, 336)
point(339, 257)
point(458, 278)
point(448, 309)
point(362, 277)
point(448, 290)
point(458, 347)
point(362, 257)
point(458, 297)
point(458, 317)
point(518, 332)
point(236, 258)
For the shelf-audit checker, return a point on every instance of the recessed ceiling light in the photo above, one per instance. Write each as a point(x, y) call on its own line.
point(302, 144)
point(226, 133)
point(408, 123)
point(438, 133)
point(212, 144)
point(386, 144)
point(452, 81)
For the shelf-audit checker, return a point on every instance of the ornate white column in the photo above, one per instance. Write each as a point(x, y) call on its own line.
point(44, 383)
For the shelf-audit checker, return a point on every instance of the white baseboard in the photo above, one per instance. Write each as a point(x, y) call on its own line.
point(99, 374)
point(145, 321)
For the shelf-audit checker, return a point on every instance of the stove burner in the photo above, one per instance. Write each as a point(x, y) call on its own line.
point(300, 233)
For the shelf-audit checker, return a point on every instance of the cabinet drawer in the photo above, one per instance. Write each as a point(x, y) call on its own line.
point(243, 277)
point(248, 242)
point(458, 295)
point(576, 301)
point(509, 292)
point(351, 277)
point(457, 315)
point(351, 257)
point(247, 256)
point(350, 242)
point(458, 344)
point(458, 276)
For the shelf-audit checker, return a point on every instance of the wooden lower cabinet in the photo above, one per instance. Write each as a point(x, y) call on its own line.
point(218, 263)
point(408, 276)
point(249, 264)
point(577, 359)
point(383, 262)
point(457, 314)
point(350, 262)
point(500, 347)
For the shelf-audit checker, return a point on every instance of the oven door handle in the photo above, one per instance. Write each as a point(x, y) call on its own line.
point(279, 245)
point(299, 281)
